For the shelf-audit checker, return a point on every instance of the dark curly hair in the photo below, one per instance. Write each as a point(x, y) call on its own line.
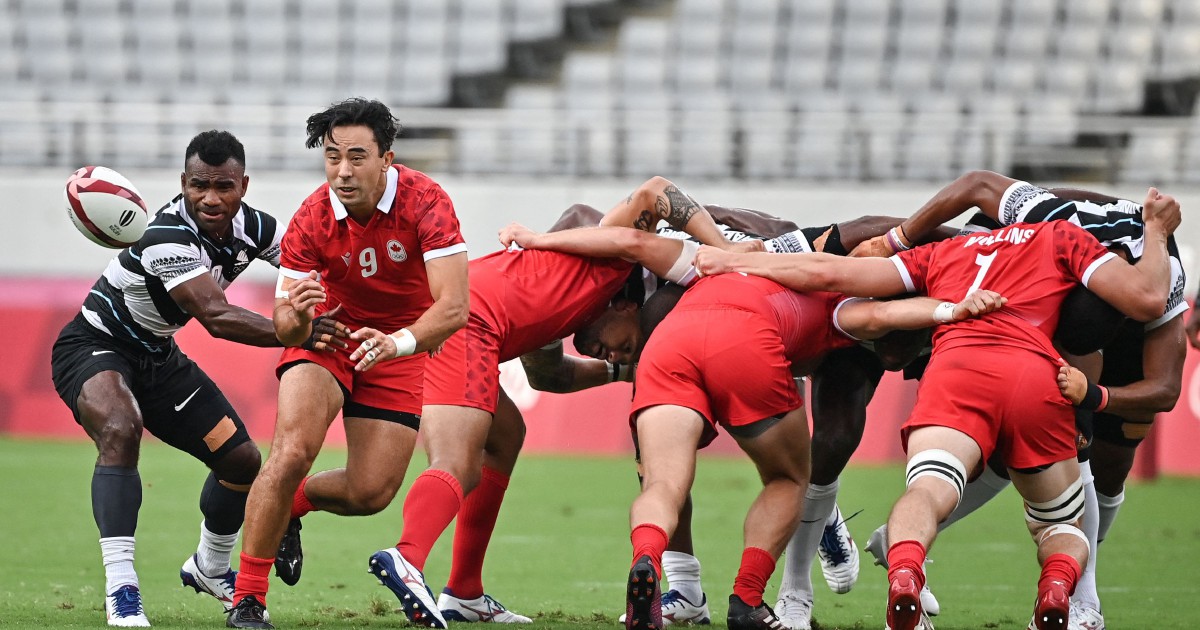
point(215, 148)
point(354, 111)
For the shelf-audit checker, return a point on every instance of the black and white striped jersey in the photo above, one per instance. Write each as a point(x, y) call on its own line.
point(131, 302)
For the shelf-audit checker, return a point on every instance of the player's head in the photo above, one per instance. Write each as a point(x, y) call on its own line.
point(900, 347)
point(1086, 323)
point(615, 336)
point(357, 136)
point(214, 181)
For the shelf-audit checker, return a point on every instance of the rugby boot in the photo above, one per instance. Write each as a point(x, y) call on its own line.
point(221, 587)
point(481, 609)
point(248, 613)
point(289, 559)
point(839, 555)
point(407, 583)
point(743, 616)
point(124, 608)
point(904, 601)
point(1052, 611)
point(677, 609)
point(643, 597)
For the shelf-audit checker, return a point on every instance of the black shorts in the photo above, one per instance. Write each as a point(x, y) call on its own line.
point(179, 403)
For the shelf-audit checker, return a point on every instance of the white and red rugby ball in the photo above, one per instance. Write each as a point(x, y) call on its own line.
point(105, 207)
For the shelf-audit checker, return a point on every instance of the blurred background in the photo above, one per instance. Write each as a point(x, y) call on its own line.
point(814, 110)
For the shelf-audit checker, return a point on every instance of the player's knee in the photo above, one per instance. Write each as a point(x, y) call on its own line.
point(120, 435)
point(939, 472)
point(370, 497)
point(290, 461)
point(240, 465)
point(832, 450)
point(1065, 509)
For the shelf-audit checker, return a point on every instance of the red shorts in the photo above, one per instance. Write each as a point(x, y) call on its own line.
point(727, 364)
point(394, 385)
point(466, 373)
point(1006, 399)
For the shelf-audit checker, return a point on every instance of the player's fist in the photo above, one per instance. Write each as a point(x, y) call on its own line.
point(1161, 210)
point(516, 233)
point(711, 261)
point(877, 247)
point(375, 347)
point(305, 295)
point(979, 302)
point(1072, 383)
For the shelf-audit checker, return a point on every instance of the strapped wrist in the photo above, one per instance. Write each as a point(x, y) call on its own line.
point(406, 343)
point(1095, 399)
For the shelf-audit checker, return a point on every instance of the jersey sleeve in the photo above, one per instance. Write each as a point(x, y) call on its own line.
point(1076, 252)
point(297, 256)
point(173, 263)
point(270, 245)
point(1176, 305)
point(913, 266)
point(437, 226)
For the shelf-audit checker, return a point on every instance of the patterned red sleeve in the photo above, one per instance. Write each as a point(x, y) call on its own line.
point(298, 257)
point(437, 225)
point(914, 267)
point(1074, 249)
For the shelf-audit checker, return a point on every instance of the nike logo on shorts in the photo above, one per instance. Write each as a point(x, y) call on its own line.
point(96, 352)
point(187, 400)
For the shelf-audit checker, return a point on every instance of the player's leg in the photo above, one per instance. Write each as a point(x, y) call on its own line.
point(309, 399)
point(780, 450)
point(940, 460)
point(668, 436)
point(464, 598)
point(1054, 505)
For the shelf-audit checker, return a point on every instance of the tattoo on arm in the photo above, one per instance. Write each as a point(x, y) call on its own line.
point(646, 221)
point(547, 371)
point(676, 207)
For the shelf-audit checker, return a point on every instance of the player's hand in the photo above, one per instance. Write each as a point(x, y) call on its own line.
point(877, 247)
point(305, 295)
point(375, 347)
point(327, 332)
point(516, 233)
point(433, 352)
point(1072, 383)
point(1193, 330)
point(979, 302)
point(711, 261)
point(1161, 210)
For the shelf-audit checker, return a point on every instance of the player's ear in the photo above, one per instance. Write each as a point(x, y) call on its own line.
point(388, 158)
point(245, 184)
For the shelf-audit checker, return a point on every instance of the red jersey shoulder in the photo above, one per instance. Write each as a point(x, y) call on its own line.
point(428, 205)
point(315, 214)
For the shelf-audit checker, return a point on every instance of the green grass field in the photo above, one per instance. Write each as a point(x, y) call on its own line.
point(561, 549)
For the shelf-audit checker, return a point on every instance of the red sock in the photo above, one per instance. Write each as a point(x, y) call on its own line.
point(1060, 567)
point(300, 503)
point(253, 578)
point(476, 520)
point(430, 506)
point(757, 567)
point(649, 540)
point(907, 554)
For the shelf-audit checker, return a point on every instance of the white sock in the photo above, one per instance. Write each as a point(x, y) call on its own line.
point(975, 495)
point(1085, 590)
point(820, 504)
point(682, 573)
point(1108, 512)
point(212, 556)
point(117, 553)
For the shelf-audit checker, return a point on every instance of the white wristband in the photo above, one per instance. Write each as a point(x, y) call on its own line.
point(944, 312)
point(280, 294)
point(406, 343)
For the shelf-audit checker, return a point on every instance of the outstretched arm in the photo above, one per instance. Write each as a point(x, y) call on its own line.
point(658, 198)
point(665, 257)
point(203, 298)
point(865, 277)
point(870, 319)
point(752, 222)
point(549, 369)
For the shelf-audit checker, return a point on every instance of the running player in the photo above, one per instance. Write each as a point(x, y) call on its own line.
point(693, 376)
point(1034, 434)
point(382, 243)
point(117, 367)
point(520, 301)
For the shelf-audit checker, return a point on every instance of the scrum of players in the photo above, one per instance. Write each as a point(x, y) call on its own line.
point(718, 314)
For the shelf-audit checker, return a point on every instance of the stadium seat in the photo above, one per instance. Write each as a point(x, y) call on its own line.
point(532, 141)
point(536, 19)
point(645, 148)
point(1189, 163)
point(1047, 120)
point(1152, 157)
point(929, 140)
point(767, 138)
point(1118, 87)
point(1179, 50)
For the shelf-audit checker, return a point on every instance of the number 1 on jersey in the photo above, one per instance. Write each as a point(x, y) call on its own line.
point(984, 262)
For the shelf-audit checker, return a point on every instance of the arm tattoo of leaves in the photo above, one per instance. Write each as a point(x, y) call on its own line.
point(676, 208)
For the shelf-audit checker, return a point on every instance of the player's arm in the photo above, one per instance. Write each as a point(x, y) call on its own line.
point(202, 298)
point(1141, 291)
point(1193, 326)
point(871, 319)
point(578, 215)
point(659, 198)
point(665, 257)
point(857, 231)
point(976, 189)
point(549, 369)
point(751, 221)
point(1163, 352)
point(866, 277)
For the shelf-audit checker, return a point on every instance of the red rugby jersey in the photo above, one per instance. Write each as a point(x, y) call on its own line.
point(377, 271)
point(1034, 265)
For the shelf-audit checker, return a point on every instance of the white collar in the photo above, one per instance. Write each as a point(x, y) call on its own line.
point(384, 205)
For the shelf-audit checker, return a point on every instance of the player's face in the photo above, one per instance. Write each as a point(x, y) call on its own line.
point(212, 195)
point(356, 171)
point(618, 338)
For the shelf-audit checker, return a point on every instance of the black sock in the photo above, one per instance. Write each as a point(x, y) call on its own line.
point(116, 499)
point(223, 509)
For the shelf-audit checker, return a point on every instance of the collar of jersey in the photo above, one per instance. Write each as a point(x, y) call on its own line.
point(384, 205)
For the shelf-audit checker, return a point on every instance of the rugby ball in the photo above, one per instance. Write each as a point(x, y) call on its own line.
point(105, 207)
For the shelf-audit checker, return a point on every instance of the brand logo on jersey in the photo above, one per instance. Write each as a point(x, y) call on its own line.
point(396, 251)
point(346, 258)
point(241, 263)
point(1013, 235)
